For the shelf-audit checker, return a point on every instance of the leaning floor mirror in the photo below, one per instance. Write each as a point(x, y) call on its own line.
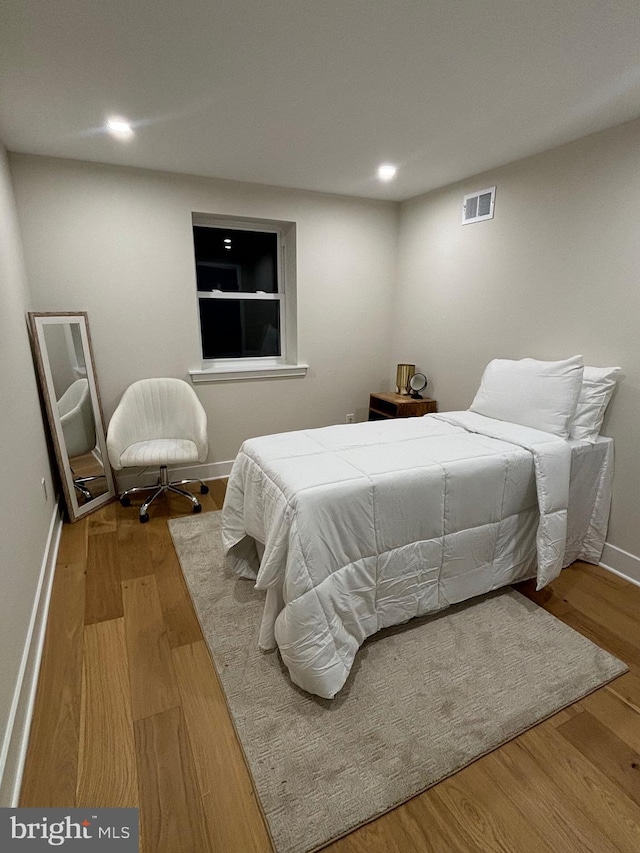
point(66, 372)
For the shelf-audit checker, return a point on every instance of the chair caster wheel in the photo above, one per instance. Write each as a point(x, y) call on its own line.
point(197, 508)
point(204, 490)
point(125, 501)
point(144, 518)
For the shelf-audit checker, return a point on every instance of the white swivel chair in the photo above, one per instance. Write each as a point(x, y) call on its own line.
point(158, 422)
point(78, 428)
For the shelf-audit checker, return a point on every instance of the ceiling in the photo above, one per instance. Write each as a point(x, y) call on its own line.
point(315, 94)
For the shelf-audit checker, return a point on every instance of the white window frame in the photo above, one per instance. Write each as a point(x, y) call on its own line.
point(286, 364)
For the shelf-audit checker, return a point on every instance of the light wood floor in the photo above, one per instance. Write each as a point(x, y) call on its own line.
point(129, 712)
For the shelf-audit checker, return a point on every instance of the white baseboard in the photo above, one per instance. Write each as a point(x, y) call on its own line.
point(621, 563)
point(130, 477)
point(14, 747)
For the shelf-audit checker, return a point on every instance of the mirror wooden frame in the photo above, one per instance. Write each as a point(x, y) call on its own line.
point(38, 322)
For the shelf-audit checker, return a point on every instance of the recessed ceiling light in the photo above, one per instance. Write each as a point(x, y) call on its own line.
point(387, 171)
point(119, 126)
point(227, 240)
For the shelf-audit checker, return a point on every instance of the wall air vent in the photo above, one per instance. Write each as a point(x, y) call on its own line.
point(478, 206)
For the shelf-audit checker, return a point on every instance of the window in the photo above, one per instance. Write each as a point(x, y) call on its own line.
point(245, 280)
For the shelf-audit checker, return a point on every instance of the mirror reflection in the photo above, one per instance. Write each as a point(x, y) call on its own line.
point(65, 366)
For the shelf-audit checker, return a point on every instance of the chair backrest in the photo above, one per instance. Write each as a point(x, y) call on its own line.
point(157, 408)
point(76, 417)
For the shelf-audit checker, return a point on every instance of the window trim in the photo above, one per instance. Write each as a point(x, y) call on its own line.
point(249, 369)
point(266, 367)
point(285, 234)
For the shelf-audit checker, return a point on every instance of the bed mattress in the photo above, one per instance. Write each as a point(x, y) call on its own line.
point(369, 525)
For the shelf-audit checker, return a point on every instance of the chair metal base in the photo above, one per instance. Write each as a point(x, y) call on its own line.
point(163, 485)
point(79, 483)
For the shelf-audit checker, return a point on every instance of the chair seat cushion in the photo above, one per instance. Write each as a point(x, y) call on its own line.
point(159, 451)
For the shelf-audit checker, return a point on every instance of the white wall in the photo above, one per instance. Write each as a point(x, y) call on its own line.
point(117, 243)
point(555, 273)
point(25, 515)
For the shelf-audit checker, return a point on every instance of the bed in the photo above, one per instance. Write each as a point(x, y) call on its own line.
point(351, 529)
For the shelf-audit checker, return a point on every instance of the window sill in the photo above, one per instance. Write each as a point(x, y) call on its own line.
point(247, 370)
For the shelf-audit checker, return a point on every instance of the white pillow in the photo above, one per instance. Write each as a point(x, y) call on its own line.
point(598, 384)
point(538, 394)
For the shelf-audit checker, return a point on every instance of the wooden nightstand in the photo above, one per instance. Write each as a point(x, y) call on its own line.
point(383, 405)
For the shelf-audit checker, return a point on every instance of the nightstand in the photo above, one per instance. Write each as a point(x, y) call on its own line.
point(383, 405)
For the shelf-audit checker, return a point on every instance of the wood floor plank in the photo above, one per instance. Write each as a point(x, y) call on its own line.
point(579, 572)
point(581, 581)
point(104, 593)
point(596, 627)
point(153, 686)
point(51, 767)
point(566, 714)
point(596, 607)
point(72, 549)
point(607, 577)
point(133, 548)
point(171, 816)
point(103, 520)
point(627, 687)
point(531, 786)
point(488, 817)
point(179, 616)
point(418, 826)
point(603, 636)
point(618, 761)
point(579, 783)
point(616, 715)
point(106, 776)
point(215, 746)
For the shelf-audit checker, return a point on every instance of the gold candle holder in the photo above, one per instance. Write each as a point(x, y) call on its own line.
point(404, 373)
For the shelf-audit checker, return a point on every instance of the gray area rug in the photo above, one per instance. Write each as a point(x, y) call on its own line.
point(422, 701)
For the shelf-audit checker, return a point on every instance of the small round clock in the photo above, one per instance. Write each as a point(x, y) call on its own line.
point(416, 384)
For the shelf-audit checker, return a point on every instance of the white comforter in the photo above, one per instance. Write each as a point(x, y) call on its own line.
point(368, 525)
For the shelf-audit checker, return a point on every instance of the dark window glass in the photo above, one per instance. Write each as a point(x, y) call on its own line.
point(236, 261)
point(240, 328)
point(213, 276)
